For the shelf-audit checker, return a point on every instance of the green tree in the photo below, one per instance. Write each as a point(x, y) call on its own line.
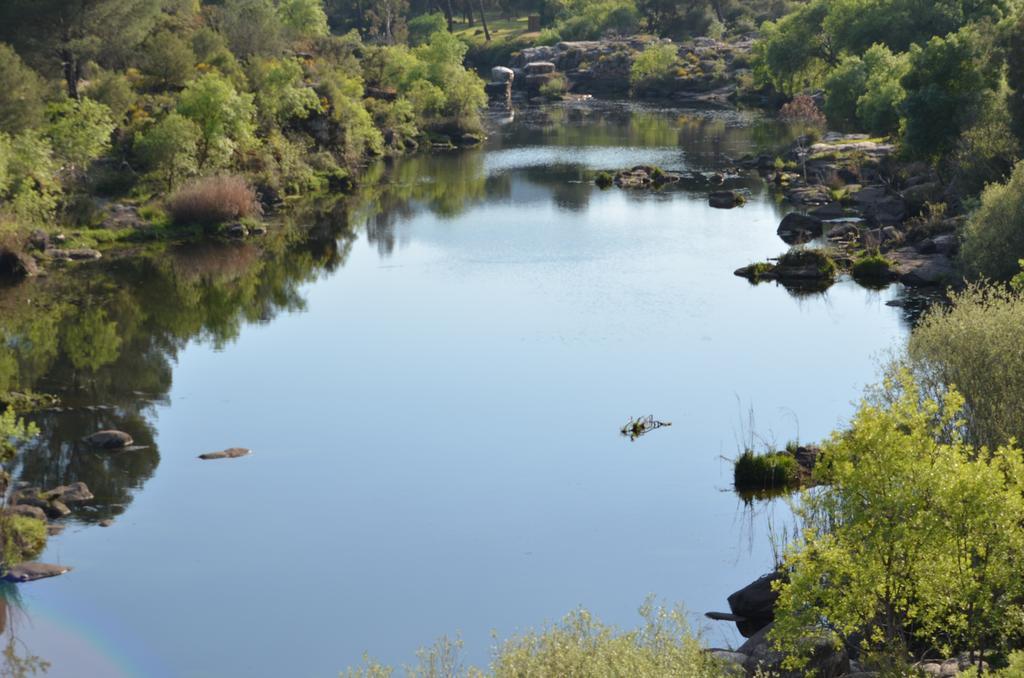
point(1015, 74)
point(67, 35)
point(303, 19)
point(281, 93)
point(113, 90)
point(913, 537)
point(29, 188)
point(170, 148)
point(168, 60)
point(878, 107)
point(80, 132)
point(224, 116)
point(251, 27)
point(795, 51)
point(944, 86)
point(21, 93)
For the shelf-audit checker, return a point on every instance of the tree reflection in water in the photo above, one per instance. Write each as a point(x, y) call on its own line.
point(18, 661)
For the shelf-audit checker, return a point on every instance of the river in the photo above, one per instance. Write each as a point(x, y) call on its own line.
point(432, 385)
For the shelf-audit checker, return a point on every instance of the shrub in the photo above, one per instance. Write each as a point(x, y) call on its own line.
point(213, 200)
point(800, 257)
point(994, 237)
point(555, 88)
point(424, 26)
point(579, 646)
point(655, 65)
point(604, 180)
point(974, 344)
point(802, 110)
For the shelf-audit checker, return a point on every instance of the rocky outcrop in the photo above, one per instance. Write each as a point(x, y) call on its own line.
point(709, 68)
point(15, 264)
point(726, 199)
point(798, 228)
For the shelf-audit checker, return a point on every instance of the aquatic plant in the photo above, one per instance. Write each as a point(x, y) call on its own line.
point(872, 269)
point(634, 428)
point(774, 469)
point(604, 180)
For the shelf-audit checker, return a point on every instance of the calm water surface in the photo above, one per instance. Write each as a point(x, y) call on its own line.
point(432, 387)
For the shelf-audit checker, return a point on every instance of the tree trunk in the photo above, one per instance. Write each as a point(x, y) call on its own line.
point(483, 20)
point(449, 15)
point(72, 72)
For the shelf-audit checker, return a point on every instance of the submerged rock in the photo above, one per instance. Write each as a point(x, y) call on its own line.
point(110, 440)
point(726, 199)
point(229, 453)
point(31, 571)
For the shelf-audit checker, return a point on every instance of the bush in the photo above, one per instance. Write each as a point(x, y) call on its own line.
point(555, 88)
point(213, 200)
point(424, 26)
point(655, 65)
point(994, 237)
point(975, 343)
point(800, 257)
point(604, 180)
point(579, 646)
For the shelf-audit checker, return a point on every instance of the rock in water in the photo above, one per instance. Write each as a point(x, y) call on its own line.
point(725, 199)
point(110, 440)
point(230, 453)
point(32, 571)
point(27, 511)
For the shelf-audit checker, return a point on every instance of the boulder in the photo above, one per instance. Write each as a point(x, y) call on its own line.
point(832, 210)
point(729, 657)
point(16, 265)
point(27, 511)
point(539, 68)
point(842, 230)
point(809, 195)
point(797, 227)
point(502, 74)
point(31, 571)
point(57, 509)
point(876, 203)
point(756, 600)
point(74, 493)
point(110, 440)
point(725, 199)
point(825, 660)
point(922, 270)
point(230, 453)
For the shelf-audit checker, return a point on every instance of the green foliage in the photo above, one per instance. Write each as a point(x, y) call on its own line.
point(281, 93)
point(168, 60)
point(795, 51)
point(302, 19)
point(943, 88)
point(29, 189)
point(12, 431)
point(251, 27)
point(170, 148)
point(21, 93)
point(654, 66)
point(578, 646)
point(604, 180)
point(358, 135)
point(914, 536)
point(973, 344)
point(224, 116)
point(754, 472)
point(987, 150)
point(590, 19)
point(1015, 74)
point(80, 132)
point(113, 91)
point(994, 236)
point(878, 107)
point(421, 28)
point(555, 88)
point(23, 538)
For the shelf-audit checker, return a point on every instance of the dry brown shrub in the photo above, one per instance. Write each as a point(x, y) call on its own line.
point(213, 200)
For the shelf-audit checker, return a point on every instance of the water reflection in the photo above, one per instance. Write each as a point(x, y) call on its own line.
point(18, 660)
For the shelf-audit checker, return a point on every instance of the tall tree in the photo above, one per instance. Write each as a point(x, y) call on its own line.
point(68, 34)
